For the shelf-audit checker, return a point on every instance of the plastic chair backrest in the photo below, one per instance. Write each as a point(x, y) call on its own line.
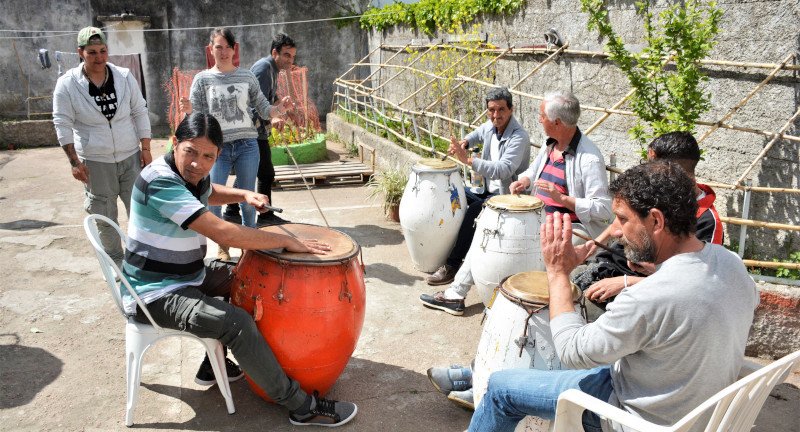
point(110, 268)
point(738, 405)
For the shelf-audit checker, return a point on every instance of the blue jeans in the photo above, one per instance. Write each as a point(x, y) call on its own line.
point(515, 393)
point(242, 154)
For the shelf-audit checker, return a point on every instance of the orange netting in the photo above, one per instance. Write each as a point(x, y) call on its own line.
point(303, 122)
point(178, 86)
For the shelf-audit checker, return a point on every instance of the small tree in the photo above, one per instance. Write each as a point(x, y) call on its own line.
point(666, 99)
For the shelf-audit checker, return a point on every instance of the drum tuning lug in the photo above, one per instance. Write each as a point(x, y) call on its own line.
point(521, 341)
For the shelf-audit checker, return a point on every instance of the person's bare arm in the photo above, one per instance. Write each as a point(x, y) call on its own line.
point(79, 170)
point(238, 236)
point(221, 195)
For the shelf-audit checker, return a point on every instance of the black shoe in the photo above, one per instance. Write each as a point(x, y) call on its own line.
point(323, 412)
point(444, 275)
point(232, 217)
point(437, 301)
point(205, 375)
point(269, 219)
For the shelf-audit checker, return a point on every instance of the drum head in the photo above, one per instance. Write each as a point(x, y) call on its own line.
point(343, 247)
point(426, 165)
point(515, 203)
point(531, 287)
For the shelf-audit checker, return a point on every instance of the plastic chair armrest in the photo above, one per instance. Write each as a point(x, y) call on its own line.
point(572, 403)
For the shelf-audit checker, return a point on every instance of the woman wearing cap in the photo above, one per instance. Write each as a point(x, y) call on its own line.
point(226, 92)
point(101, 120)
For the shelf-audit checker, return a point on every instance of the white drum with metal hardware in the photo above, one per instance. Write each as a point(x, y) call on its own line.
point(517, 334)
point(506, 241)
point(431, 211)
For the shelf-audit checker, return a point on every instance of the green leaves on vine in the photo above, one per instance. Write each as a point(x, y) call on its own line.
point(668, 97)
point(430, 15)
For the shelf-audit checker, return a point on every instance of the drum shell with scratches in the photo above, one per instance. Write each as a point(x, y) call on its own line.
point(309, 308)
point(507, 321)
point(506, 241)
point(431, 211)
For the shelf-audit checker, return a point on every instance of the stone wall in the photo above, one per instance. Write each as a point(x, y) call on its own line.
point(759, 31)
point(324, 49)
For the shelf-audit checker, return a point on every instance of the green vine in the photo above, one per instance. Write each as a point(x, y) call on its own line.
point(667, 99)
point(429, 15)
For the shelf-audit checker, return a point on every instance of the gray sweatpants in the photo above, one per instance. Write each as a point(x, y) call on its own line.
point(107, 181)
point(197, 311)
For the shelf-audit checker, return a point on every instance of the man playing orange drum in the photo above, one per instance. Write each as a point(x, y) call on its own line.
point(164, 263)
point(665, 345)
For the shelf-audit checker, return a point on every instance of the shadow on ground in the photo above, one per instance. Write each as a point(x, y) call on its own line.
point(21, 373)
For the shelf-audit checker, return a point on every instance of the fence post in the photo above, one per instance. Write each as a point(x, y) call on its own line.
point(416, 132)
point(745, 214)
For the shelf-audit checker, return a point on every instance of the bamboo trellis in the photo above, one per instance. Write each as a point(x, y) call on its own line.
point(355, 96)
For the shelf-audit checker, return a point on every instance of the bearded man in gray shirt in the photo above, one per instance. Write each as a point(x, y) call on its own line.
point(664, 345)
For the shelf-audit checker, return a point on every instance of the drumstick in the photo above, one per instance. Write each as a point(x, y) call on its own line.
point(275, 209)
point(600, 245)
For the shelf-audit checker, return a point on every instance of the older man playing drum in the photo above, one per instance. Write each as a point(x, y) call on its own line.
point(506, 154)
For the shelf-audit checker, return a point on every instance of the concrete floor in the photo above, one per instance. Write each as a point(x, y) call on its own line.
point(62, 341)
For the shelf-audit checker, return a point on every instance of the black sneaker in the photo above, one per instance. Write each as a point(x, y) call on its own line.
point(324, 412)
point(437, 301)
point(269, 219)
point(205, 375)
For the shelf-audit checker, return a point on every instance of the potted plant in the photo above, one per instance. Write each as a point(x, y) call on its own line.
point(390, 185)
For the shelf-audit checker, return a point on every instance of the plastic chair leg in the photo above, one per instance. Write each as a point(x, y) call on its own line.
point(135, 345)
point(217, 358)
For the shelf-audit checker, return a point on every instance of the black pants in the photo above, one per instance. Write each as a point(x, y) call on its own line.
point(265, 176)
point(467, 229)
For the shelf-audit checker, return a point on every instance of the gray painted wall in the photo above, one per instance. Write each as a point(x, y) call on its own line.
point(752, 31)
point(324, 49)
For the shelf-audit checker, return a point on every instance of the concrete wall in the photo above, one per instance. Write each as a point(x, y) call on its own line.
point(751, 31)
point(324, 49)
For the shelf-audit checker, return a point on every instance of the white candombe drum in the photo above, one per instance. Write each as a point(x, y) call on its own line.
point(518, 318)
point(431, 211)
point(506, 241)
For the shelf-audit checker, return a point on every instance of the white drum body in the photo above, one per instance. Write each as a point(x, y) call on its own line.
point(505, 243)
point(499, 348)
point(431, 212)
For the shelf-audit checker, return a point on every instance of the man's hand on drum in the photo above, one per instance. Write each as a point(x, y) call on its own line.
point(310, 246)
point(520, 185)
point(459, 149)
point(557, 250)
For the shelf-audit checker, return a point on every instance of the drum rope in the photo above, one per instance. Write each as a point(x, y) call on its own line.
point(303, 177)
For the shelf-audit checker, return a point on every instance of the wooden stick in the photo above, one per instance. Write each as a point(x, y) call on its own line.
point(355, 65)
point(771, 264)
point(387, 62)
point(746, 98)
point(402, 70)
point(600, 245)
point(768, 146)
point(755, 223)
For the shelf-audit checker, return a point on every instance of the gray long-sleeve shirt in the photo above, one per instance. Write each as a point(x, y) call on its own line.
point(673, 340)
point(228, 96)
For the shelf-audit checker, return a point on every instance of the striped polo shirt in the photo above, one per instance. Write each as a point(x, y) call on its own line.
point(162, 254)
point(554, 173)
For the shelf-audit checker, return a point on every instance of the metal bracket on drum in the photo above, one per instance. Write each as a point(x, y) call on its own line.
point(485, 239)
point(258, 310)
point(524, 339)
point(279, 292)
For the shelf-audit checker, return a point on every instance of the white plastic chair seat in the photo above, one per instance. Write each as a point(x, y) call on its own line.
point(140, 337)
point(735, 407)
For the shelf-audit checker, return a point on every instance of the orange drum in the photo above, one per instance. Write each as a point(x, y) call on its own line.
point(309, 308)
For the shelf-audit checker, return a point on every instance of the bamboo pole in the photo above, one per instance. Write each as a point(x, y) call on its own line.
point(625, 98)
point(604, 54)
point(386, 62)
point(403, 69)
point(752, 188)
point(746, 98)
point(768, 146)
point(530, 74)
point(355, 65)
point(432, 80)
point(771, 264)
point(21, 72)
point(760, 224)
point(493, 61)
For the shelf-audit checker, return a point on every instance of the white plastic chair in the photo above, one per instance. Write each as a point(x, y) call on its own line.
point(139, 337)
point(735, 408)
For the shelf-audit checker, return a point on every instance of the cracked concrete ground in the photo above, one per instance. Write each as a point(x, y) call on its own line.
point(62, 344)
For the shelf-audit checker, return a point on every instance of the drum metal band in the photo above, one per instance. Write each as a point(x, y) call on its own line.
point(507, 204)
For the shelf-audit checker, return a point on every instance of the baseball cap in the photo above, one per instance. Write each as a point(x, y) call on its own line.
point(88, 32)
